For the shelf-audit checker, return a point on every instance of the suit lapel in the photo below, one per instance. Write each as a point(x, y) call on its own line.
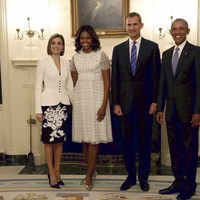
point(169, 60)
point(141, 54)
point(126, 55)
point(183, 56)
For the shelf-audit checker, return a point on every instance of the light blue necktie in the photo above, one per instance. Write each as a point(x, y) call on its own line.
point(133, 58)
point(175, 60)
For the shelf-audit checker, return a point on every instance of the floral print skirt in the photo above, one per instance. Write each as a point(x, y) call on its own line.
point(55, 123)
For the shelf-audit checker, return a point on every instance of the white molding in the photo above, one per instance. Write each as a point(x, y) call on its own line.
point(24, 63)
point(39, 159)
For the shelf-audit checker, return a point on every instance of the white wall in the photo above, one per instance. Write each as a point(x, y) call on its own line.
point(54, 16)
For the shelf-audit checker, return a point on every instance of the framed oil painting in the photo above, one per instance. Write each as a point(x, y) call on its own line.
point(106, 16)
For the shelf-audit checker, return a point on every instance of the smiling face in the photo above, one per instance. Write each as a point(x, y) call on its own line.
point(179, 31)
point(56, 46)
point(86, 41)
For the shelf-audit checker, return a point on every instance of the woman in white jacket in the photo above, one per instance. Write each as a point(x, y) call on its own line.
point(53, 104)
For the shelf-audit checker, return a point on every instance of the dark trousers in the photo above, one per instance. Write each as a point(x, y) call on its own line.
point(183, 145)
point(137, 132)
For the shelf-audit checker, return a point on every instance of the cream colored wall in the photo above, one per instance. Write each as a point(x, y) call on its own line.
point(5, 130)
point(20, 56)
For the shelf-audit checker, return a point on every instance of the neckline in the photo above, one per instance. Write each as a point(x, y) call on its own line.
point(56, 68)
point(87, 53)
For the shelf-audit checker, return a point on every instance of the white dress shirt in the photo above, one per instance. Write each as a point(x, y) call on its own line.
point(138, 42)
point(51, 88)
point(181, 46)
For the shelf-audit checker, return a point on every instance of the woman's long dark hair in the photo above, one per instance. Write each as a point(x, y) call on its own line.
point(95, 38)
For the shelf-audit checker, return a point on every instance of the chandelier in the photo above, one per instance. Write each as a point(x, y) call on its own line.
point(30, 33)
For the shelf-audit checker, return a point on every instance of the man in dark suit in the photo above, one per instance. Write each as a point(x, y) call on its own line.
point(180, 86)
point(134, 96)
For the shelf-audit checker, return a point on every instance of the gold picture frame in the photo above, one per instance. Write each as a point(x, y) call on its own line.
point(106, 16)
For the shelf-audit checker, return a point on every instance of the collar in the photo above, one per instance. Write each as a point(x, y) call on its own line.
point(138, 41)
point(181, 46)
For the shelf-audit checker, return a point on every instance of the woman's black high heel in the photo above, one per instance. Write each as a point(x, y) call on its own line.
point(55, 185)
point(61, 182)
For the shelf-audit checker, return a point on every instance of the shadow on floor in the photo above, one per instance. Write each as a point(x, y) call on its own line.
point(103, 170)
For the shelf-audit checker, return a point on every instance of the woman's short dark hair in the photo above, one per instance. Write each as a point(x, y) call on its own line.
point(56, 35)
point(95, 38)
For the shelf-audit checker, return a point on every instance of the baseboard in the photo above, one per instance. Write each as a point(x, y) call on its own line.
point(74, 158)
point(103, 160)
point(13, 159)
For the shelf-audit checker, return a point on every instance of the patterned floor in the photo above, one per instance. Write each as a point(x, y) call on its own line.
point(26, 183)
point(106, 187)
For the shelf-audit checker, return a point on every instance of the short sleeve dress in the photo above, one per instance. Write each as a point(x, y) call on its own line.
point(88, 97)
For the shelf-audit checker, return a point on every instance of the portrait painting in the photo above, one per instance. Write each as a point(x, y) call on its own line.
point(106, 16)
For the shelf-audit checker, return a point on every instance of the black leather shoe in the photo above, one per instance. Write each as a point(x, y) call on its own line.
point(127, 184)
point(185, 195)
point(170, 190)
point(144, 186)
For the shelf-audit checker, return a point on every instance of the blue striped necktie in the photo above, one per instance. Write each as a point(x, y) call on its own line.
point(175, 60)
point(133, 58)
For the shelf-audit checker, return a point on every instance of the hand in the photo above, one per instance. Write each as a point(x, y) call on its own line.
point(195, 120)
point(101, 113)
point(153, 108)
point(159, 117)
point(39, 117)
point(117, 110)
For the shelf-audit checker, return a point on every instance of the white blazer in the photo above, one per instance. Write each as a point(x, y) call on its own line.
point(51, 88)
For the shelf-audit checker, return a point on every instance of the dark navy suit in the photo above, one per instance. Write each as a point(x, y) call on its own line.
point(181, 93)
point(135, 94)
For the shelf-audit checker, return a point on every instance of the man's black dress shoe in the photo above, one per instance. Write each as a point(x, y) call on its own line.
point(144, 186)
point(127, 184)
point(185, 195)
point(170, 190)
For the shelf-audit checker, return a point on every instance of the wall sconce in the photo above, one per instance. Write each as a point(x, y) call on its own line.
point(162, 32)
point(30, 33)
